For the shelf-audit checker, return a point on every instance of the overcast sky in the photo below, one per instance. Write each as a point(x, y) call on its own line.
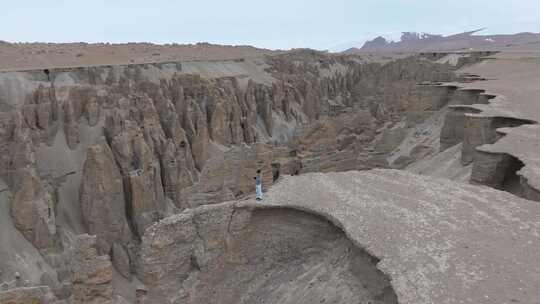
point(272, 24)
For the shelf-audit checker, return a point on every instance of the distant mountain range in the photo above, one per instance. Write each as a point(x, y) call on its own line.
point(421, 42)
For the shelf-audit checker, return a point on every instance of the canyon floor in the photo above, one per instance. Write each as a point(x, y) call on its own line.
point(126, 175)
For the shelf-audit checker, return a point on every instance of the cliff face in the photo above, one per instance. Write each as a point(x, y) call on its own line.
point(253, 253)
point(111, 150)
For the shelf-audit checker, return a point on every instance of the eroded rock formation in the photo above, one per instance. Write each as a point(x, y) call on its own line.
point(102, 198)
point(249, 255)
point(111, 151)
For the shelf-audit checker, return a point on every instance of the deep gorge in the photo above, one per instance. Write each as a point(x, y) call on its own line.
point(110, 151)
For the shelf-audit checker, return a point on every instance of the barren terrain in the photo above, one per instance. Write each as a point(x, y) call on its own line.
point(126, 174)
point(31, 56)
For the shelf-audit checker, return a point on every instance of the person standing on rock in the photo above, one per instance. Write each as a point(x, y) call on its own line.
point(258, 186)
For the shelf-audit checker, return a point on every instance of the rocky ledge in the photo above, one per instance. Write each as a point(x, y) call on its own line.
point(344, 237)
point(438, 241)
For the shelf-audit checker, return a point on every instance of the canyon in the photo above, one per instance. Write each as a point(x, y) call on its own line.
point(388, 180)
